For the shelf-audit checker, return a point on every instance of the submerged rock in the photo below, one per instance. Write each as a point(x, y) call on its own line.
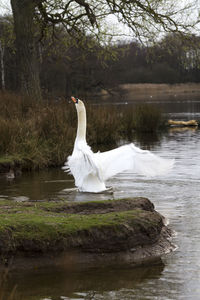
point(125, 230)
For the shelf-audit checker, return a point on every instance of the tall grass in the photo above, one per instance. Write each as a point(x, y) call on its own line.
point(39, 135)
point(147, 118)
point(104, 125)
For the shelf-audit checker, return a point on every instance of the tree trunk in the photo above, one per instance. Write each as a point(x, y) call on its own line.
point(2, 49)
point(28, 64)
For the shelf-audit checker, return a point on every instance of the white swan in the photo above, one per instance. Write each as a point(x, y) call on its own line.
point(91, 170)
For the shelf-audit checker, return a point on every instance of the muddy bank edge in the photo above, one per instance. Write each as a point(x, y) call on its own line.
point(128, 230)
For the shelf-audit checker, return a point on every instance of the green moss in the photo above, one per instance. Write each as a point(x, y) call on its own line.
point(44, 228)
point(32, 224)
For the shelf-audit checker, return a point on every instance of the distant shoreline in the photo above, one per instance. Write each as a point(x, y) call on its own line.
point(160, 87)
point(158, 91)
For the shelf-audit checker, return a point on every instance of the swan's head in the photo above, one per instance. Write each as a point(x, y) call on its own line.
point(79, 104)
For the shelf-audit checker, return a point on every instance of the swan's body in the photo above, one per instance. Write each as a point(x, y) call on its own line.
point(91, 170)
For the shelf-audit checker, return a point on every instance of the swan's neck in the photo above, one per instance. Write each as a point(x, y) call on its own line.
point(81, 130)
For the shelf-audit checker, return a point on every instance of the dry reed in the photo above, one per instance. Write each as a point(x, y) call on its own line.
point(40, 135)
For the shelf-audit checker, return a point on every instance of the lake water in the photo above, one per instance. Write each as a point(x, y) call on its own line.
point(176, 196)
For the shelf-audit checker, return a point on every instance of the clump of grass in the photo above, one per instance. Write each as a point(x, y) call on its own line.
point(147, 118)
point(143, 118)
point(104, 126)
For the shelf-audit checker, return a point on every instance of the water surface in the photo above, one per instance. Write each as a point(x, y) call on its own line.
point(176, 196)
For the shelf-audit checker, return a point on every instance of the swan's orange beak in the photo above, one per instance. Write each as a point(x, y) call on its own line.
point(74, 99)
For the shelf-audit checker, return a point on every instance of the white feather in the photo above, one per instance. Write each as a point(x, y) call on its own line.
point(91, 170)
point(131, 158)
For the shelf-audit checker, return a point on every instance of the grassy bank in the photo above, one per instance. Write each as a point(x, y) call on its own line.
point(35, 235)
point(52, 227)
point(36, 135)
point(73, 236)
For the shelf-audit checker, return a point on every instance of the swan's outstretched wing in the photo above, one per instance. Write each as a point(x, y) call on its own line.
point(130, 157)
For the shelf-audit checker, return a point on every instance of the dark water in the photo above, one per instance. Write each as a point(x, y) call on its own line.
point(176, 196)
